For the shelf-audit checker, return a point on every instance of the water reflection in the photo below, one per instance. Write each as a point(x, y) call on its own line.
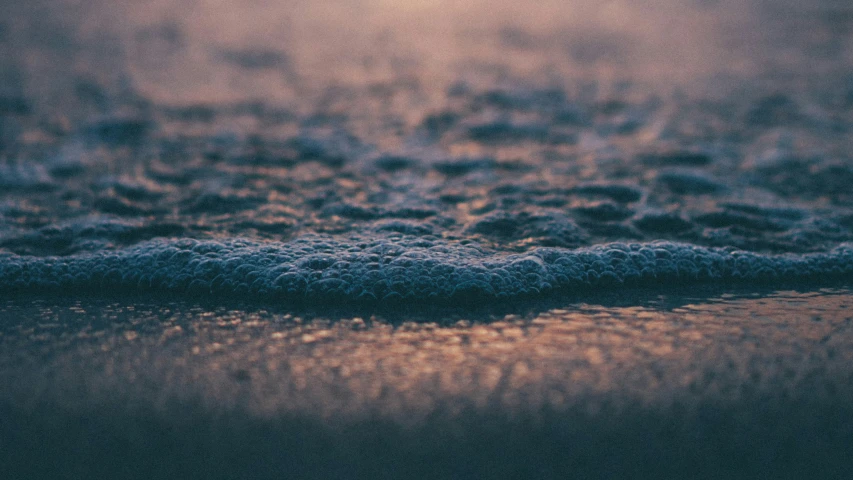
point(694, 389)
point(271, 363)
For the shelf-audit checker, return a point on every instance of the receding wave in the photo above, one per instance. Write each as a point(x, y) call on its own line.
point(320, 268)
point(486, 151)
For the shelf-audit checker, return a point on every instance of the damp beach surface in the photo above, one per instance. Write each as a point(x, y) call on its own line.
point(700, 384)
point(374, 239)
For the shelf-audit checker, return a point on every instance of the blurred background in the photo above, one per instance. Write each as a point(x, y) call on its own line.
point(149, 106)
point(194, 51)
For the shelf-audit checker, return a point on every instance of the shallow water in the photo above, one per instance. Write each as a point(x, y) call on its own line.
point(562, 127)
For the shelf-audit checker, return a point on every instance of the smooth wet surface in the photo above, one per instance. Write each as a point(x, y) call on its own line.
point(754, 383)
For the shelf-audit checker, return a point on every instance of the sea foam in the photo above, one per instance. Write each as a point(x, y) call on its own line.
point(324, 268)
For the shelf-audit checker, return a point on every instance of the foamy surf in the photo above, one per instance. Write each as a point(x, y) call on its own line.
point(322, 269)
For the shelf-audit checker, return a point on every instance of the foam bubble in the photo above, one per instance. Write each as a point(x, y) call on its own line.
point(321, 268)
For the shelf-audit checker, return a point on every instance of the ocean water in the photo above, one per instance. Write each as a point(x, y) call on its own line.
point(424, 164)
point(385, 164)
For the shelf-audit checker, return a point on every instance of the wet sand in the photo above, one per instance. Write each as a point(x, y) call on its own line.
point(702, 384)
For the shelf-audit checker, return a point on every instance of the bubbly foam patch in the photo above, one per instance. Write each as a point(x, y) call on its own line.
point(323, 268)
point(551, 137)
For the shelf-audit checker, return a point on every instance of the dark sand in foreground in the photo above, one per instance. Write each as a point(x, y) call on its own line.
point(709, 385)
